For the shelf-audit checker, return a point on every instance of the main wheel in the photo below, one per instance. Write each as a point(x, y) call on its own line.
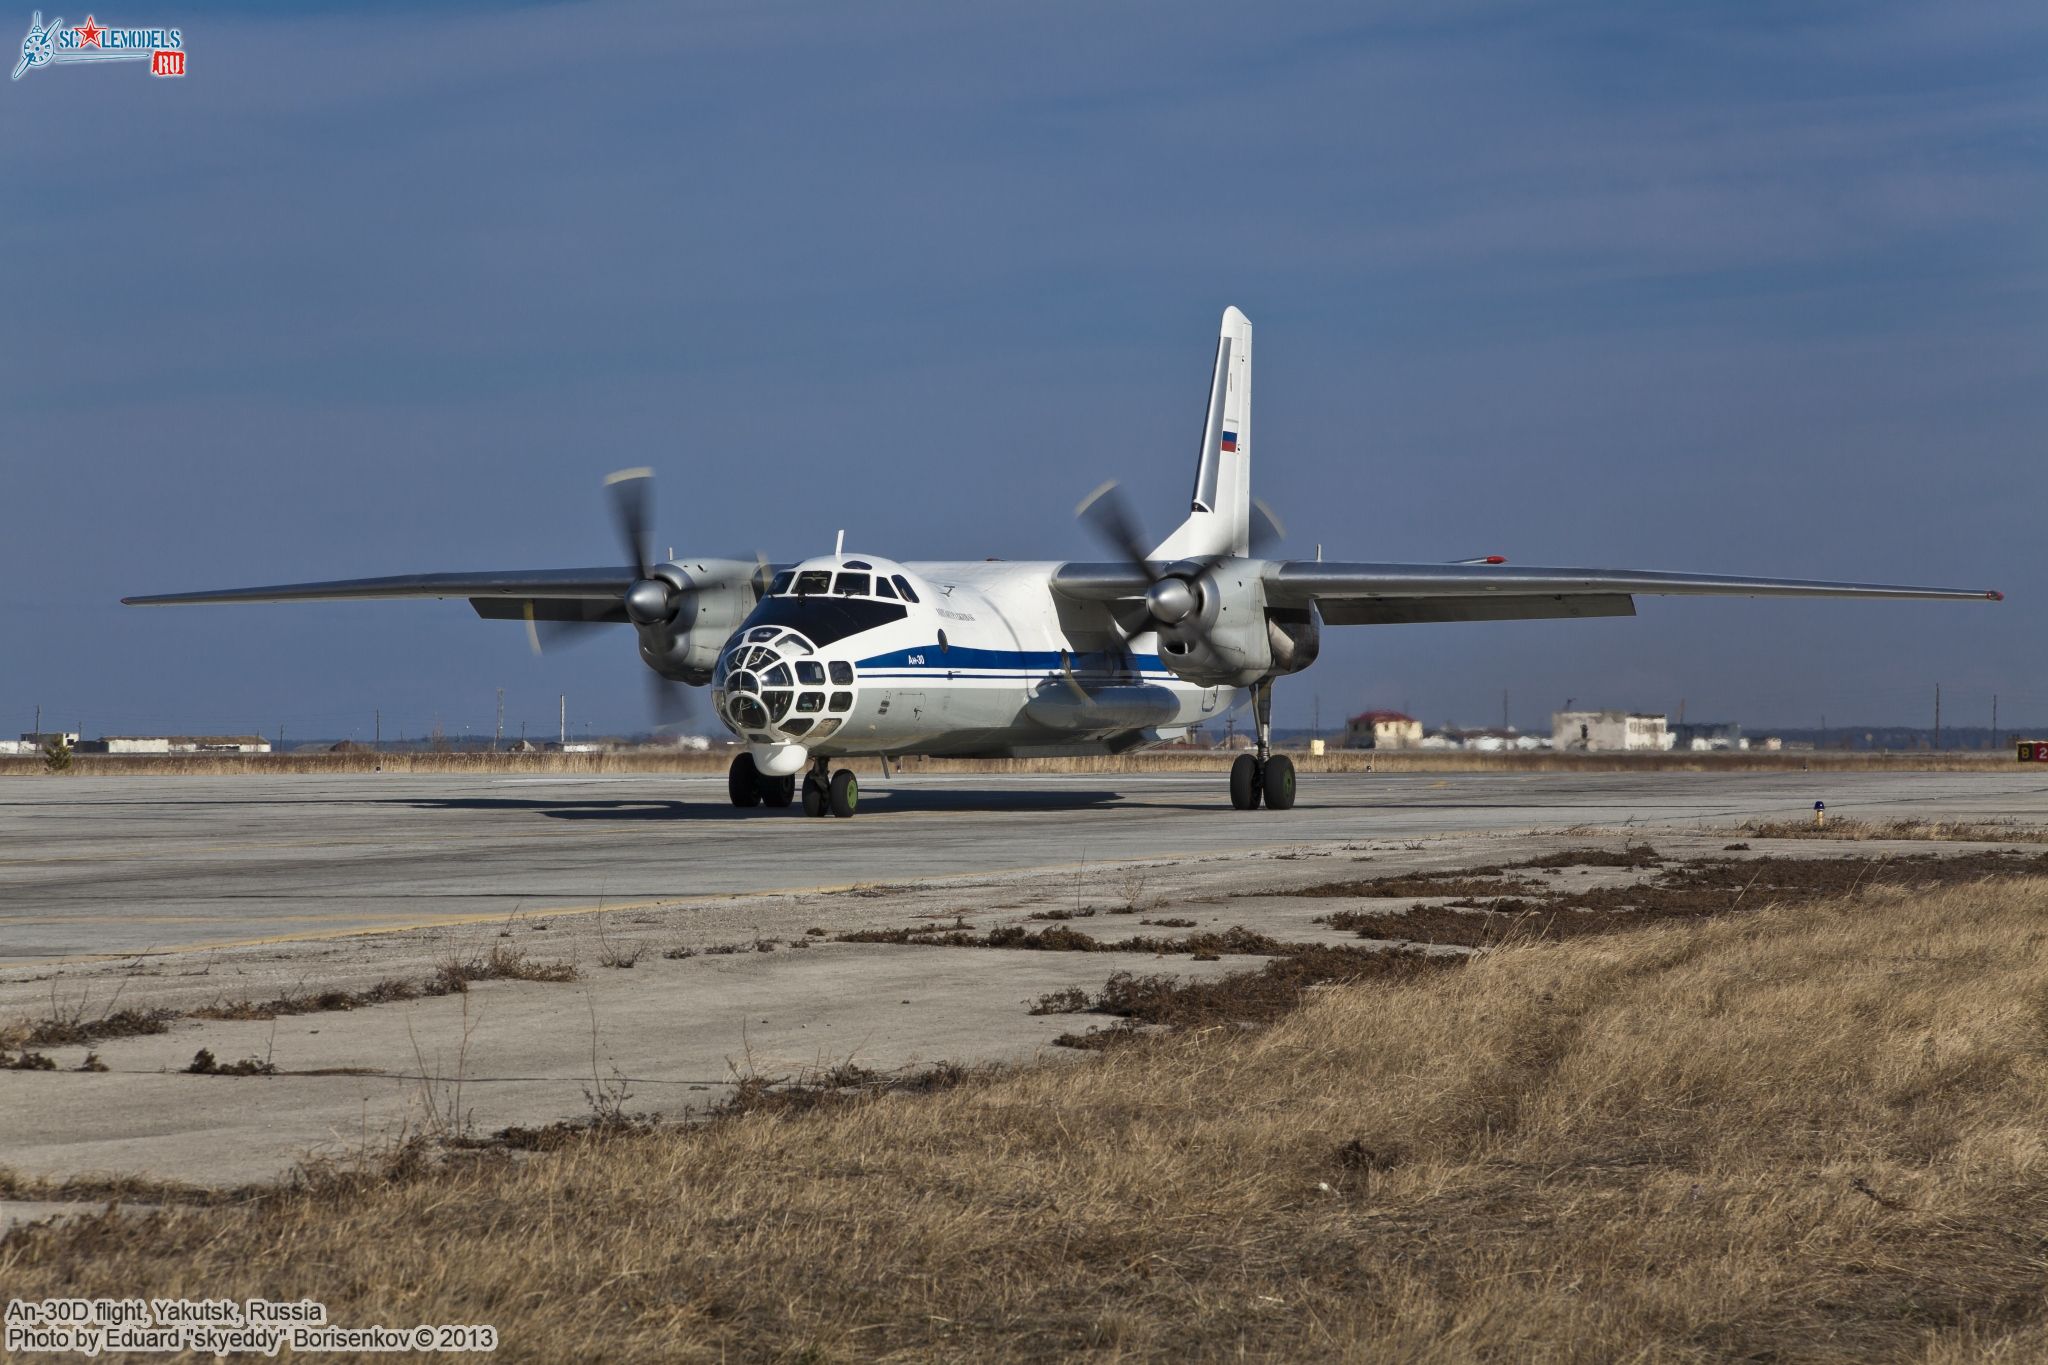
point(814, 795)
point(1244, 783)
point(743, 781)
point(845, 793)
point(1277, 782)
point(776, 791)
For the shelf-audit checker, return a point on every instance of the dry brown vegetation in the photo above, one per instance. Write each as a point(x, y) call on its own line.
point(1946, 831)
point(661, 760)
point(72, 1025)
point(1809, 1133)
point(1698, 889)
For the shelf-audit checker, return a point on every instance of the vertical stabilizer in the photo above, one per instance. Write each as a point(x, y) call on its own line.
point(1219, 516)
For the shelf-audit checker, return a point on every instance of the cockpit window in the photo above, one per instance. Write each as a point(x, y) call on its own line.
point(812, 582)
point(882, 588)
point(781, 583)
point(903, 586)
point(851, 585)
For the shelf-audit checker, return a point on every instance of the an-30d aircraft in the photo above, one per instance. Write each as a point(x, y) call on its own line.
point(854, 654)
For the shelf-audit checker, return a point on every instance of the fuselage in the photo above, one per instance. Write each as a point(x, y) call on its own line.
point(853, 654)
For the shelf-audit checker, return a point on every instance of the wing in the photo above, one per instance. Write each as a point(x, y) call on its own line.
point(1390, 594)
point(514, 594)
point(1385, 594)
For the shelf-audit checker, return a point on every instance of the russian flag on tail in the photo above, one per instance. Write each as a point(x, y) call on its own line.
point(1230, 441)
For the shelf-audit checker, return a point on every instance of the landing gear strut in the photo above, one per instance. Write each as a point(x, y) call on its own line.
point(1262, 775)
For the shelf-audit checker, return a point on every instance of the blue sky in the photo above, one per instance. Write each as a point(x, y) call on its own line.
point(1745, 288)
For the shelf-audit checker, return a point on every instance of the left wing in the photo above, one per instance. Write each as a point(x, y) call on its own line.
point(1384, 594)
point(1349, 594)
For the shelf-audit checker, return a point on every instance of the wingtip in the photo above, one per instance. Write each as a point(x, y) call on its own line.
point(1994, 595)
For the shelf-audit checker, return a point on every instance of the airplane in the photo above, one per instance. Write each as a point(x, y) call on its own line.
point(855, 654)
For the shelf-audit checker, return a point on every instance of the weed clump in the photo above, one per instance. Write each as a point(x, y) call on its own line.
point(204, 1063)
point(70, 1029)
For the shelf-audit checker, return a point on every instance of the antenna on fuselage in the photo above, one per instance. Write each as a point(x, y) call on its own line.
point(839, 543)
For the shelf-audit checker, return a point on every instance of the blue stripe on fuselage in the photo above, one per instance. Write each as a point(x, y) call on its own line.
point(962, 657)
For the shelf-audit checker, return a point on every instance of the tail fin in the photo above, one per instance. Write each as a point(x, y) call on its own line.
point(1219, 517)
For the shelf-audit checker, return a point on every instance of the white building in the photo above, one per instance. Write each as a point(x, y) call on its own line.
point(176, 744)
point(1382, 730)
point(1608, 731)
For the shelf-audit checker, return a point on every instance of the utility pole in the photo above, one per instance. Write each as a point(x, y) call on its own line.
point(499, 738)
point(1937, 715)
point(39, 722)
point(564, 734)
point(280, 738)
point(1994, 720)
point(378, 742)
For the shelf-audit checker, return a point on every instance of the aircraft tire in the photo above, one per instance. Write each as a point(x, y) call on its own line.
point(743, 781)
point(814, 796)
point(844, 793)
point(1277, 783)
point(1244, 783)
point(777, 792)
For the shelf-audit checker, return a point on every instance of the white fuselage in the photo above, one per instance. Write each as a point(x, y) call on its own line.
point(851, 654)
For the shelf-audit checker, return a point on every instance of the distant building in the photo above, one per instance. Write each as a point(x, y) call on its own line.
point(1487, 741)
point(1608, 731)
point(1703, 736)
point(176, 744)
point(1382, 730)
point(35, 741)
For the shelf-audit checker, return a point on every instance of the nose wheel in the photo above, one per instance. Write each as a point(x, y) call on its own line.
point(1262, 776)
point(748, 786)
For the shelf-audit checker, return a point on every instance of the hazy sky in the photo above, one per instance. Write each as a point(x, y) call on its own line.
point(1755, 288)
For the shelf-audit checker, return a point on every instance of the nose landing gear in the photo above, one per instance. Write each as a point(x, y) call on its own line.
point(748, 786)
point(1262, 775)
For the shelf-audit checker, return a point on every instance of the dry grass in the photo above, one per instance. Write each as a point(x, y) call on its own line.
point(1943, 831)
point(1803, 1134)
point(656, 760)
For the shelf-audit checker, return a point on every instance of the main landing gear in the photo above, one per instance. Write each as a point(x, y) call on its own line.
point(824, 791)
point(1262, 775)
point(839, 793)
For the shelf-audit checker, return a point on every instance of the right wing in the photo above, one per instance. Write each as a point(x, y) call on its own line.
point(508, 595)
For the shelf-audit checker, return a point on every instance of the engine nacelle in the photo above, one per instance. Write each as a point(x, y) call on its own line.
point(1297, 636)
point(1232, 646)
point(713, 597)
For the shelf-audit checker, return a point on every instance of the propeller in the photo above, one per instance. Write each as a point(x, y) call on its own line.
point(649, 600)
point(1173, 593)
